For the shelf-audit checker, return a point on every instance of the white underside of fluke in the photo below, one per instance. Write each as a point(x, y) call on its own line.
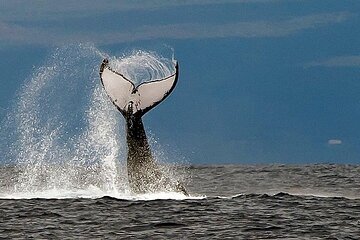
point(145, 96)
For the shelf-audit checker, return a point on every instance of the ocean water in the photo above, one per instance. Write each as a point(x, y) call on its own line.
point(225, 202)
point(63, 174)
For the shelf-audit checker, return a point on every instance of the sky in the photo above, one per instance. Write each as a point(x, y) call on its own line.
point(261, 81)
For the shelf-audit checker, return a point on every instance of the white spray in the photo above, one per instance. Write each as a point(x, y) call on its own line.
point(63, 133)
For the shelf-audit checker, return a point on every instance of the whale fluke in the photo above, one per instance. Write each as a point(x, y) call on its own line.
point(144, 97)
point(133, 102)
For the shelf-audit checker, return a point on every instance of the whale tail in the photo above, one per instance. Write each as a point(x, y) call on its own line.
point(133, 102)
point(137, 99)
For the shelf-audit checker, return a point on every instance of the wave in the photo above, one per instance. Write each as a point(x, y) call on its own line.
point(290, 194)
point(94, 192)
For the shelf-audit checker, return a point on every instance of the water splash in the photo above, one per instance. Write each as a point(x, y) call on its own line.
point(140, 65)
point(63, 134)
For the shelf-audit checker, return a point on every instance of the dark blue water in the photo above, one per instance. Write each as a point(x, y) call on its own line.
point(226, 202)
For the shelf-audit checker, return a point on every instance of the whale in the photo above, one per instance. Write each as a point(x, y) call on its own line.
point(133, 101)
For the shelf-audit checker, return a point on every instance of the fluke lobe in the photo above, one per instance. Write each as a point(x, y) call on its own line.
point(133, 102)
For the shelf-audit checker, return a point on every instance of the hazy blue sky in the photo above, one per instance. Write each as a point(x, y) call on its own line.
point(260, 81)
